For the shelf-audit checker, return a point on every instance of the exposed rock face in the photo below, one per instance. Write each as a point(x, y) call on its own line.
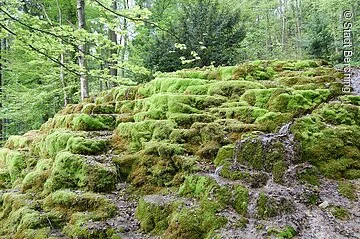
point(267, 149)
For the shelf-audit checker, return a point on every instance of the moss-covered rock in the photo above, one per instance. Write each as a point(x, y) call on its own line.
point(348, 190)
point(169, 134)
point(74, 171)
point(224, 153)
point(68, 202)
point(13, 165)
point(194, 223)
point(81, 145)
point(154, 212)
point(241, 200)
point(268, 206)
point(84, 122)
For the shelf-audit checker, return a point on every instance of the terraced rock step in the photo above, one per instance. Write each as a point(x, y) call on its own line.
point(266, 149)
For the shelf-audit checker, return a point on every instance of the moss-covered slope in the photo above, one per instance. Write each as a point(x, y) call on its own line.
point(139, 162)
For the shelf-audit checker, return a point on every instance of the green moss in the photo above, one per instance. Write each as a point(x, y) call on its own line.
point(125, 165)
point(124, 107)
point(15, 163)
point(269, 207)
point(184, 224)
point(55, 142)
point(80, 229)
point(191, 104)
point(163, 171)
point(241, 200)
point(81, 145)
point(140, 132)
point(104, 109)
point(297, 101)
point(161, 129)
point(271, 121)
point(18, 213)
point(65, 172)
point(288, 232)
point(84, 122)
point(241, 223)
point(72, 171)
point(226, 72)
point(258, 97)
point(169, 85)
point(124, 93)
point(34, 181)
point(198, 186)
point(5, 181)
point(151, 169)
point(195, 223)
point(245, 114)
point(154, 214)
point(310, 176)
point(20, 142)
point(97, 177)
point(181, 136)
point(162, 149)
point(135, 133)
point(278, 171)
point(334, 149)
point(337, 114)
point(337, 169)
point(197, 89)
point(225, 152)
point(340, 212)
point(186, 163)
point(347, 189)
point(186, 120)
point(88, 108)
point(209, 132)
point(59, 121)
point(232, 89)
point(208, 150)
point(256, 70)
point(106, 97)
point(351, 99)
point(254, 179)
point(67, 203)
point(254, 154)
point(33, 233)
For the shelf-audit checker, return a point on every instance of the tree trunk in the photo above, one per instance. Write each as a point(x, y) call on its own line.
point(283, 6)
point(113, 51)
point(62, 60)
point(3, 121)
point(84, 85)
point(1, 89)
point(124, 40)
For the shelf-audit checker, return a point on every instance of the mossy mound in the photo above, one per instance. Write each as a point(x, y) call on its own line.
point(168, 136)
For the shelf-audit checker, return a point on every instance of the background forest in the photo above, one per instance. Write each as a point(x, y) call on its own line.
point(45, 51)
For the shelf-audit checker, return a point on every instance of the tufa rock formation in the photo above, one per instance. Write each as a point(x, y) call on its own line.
point(266, 149)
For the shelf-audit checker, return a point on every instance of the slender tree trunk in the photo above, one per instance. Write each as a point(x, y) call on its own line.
point(299, 20)
point(3, 121)
point(113, 51)
point(283, 6)
point(62, 60)
point(125, 39)
point(268, 33)
point(1, 88)
point(101, 81)
point(84, 85)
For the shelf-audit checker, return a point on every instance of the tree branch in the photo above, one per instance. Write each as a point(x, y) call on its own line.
point(51, 34)
point(136, 19)
point(40, 52)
